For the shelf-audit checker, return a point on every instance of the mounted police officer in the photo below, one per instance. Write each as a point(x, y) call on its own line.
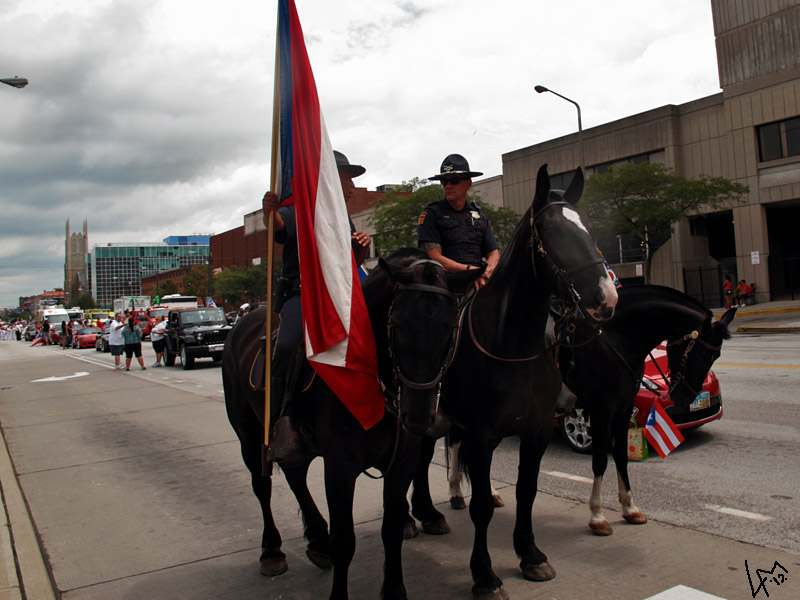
point(286, 446)
point(455, 232)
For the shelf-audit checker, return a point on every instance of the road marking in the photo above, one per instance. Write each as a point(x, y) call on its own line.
point(738, 513)
point(757, 366)
point(682, 592)
point(78, 374)
point(569, 476)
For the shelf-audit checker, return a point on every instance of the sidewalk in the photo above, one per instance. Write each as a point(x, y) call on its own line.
point(767, 317)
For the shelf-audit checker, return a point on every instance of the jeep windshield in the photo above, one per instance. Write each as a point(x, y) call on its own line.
point(206, 315)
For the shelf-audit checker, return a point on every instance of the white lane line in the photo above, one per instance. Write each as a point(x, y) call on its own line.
point(738, 513)
point(569, 476)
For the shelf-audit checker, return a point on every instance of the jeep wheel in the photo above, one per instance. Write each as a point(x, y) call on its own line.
point(169, 358)
point(217, 356)
point(186, 360)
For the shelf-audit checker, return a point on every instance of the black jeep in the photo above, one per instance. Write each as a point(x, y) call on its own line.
point(195, 333)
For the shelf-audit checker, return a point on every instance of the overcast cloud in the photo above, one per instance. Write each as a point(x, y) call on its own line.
point(152, 118)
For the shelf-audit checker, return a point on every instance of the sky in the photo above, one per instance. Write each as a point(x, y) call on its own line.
point(152, 118)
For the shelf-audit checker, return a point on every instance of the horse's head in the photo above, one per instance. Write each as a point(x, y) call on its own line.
point(563, 243)
point(691, 356)
point(422, 328)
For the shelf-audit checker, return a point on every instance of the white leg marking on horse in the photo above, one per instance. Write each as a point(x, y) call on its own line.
point(595, 502)
point(453, 474)
point(626, 498)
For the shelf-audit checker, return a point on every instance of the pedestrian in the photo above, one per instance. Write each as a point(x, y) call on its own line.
point(76, 327)
point(286, 446)
point(64, 335)
point(132, 338)
point(157, 338)
point(243, 310)
point(115, 341)
point(46, 332)
point(727, 289)
point(452, 230)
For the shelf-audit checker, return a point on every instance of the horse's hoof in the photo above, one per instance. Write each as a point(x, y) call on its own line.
point(319, 559)
point(457, 503)
point(636, 518)
point(498, 501)
point(273, 565)
point(437, 527)
point(489, 594)
point(540, 572)
point(600, 528)
point(410, 530)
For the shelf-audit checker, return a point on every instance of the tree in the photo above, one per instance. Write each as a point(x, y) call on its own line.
point(197, 281)
point(85, 302)
point(645, 200)
point(395, 217)
point(231, 283)
point(168, 287)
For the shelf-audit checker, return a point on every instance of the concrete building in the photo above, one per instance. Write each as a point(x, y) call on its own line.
point(748, 133)
point(76, 247)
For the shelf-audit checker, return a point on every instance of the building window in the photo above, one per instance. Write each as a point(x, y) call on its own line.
point(779, 140)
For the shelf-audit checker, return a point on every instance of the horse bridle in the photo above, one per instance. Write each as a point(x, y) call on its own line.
point(679, 378)
point(398, 377)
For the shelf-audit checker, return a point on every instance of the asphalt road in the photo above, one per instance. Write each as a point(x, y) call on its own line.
point(737, 477)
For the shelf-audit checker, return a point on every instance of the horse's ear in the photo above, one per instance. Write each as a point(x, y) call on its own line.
point(575, 189)
point(721, 326)
point(728, 316)
point(542, 188)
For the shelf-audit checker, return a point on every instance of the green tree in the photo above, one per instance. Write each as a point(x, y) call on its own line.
point(231, 284)
point(85, 302)
point(645, 200)
point(395, 217)
point(197, 280)
point(168, 287)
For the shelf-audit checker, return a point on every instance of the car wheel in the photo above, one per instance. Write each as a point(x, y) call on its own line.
point(576, 428)
point(106, 347)
point(98, 345)
point(186, 360)
point(169, 358)
point(217, 356)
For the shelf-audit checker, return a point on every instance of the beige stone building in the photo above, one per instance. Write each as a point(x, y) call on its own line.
point(748, 133)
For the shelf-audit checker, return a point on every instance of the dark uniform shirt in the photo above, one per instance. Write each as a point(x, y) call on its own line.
point(464, 235)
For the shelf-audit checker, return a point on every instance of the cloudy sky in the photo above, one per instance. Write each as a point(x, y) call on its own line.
point(152, 118)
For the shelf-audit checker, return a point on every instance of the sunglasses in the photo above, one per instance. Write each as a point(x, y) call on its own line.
point(452, 180)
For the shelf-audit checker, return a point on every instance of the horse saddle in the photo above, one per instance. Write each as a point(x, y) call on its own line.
point(295, 375)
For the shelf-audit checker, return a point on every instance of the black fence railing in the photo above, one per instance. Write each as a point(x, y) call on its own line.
point(705, 284)
point(784, 277)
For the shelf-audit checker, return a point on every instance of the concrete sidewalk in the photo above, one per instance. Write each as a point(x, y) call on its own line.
point(767, 317)
point(117, 486)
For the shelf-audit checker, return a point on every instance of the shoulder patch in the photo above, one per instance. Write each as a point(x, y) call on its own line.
point(422, 216)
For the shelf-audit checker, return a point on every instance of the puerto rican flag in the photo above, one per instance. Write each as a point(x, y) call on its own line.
point(661, 432)
point(338, 333)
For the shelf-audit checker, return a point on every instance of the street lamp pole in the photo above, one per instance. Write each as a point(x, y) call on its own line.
point(541, 89)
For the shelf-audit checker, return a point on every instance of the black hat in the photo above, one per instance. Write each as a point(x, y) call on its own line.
point(344, 165)
point(455, 165)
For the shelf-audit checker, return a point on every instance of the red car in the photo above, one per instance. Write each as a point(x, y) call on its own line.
point(576, 428)
point(87, 337)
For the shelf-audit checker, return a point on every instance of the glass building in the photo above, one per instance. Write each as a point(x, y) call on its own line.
point(116, 270)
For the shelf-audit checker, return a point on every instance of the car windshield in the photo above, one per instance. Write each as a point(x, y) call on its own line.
point(89, 330)
point(208, 315)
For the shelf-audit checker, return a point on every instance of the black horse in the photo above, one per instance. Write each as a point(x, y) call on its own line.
point(504, 380)
point(413, 313)
point(606, 366)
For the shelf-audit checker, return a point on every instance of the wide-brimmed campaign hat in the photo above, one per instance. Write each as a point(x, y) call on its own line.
point(344, 165)
point(455, 165)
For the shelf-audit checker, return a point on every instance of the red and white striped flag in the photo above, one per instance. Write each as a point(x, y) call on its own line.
point(661, 432)
point(338, 333)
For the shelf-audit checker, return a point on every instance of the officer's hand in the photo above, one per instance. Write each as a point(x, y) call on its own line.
point(362, 238)
point(270, 204)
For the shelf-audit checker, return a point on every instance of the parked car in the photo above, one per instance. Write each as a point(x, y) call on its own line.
point(30, 333)
point(576, 427)
point(101, 341)
point(87, 337)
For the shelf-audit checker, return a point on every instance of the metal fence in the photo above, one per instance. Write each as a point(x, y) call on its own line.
point(705, 284)
point(784, 277)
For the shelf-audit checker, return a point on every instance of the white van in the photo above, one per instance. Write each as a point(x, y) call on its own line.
point(54, 316)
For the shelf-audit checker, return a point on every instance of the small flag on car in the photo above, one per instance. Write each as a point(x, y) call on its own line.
point(210, 302)
point(661, 432)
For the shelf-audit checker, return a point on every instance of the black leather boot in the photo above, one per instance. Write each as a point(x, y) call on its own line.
point(285, 446)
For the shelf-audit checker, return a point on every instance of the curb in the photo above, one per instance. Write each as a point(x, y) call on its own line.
point(20, 554)
point(767, 329)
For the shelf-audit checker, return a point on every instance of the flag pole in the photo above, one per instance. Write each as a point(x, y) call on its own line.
point(276, 104)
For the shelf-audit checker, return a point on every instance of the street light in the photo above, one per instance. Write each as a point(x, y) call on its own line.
point(17, 82)
point(541, 89)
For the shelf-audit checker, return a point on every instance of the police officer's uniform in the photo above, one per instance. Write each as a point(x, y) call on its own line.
point(464, 235)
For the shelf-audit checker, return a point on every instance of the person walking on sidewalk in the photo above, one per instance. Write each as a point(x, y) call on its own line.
point(132, 337)
point(115, 341)
point(157, 337)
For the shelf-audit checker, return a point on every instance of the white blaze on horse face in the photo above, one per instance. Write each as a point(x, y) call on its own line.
point(572, 216)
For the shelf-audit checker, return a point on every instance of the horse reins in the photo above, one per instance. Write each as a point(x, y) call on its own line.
point(693, 337)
